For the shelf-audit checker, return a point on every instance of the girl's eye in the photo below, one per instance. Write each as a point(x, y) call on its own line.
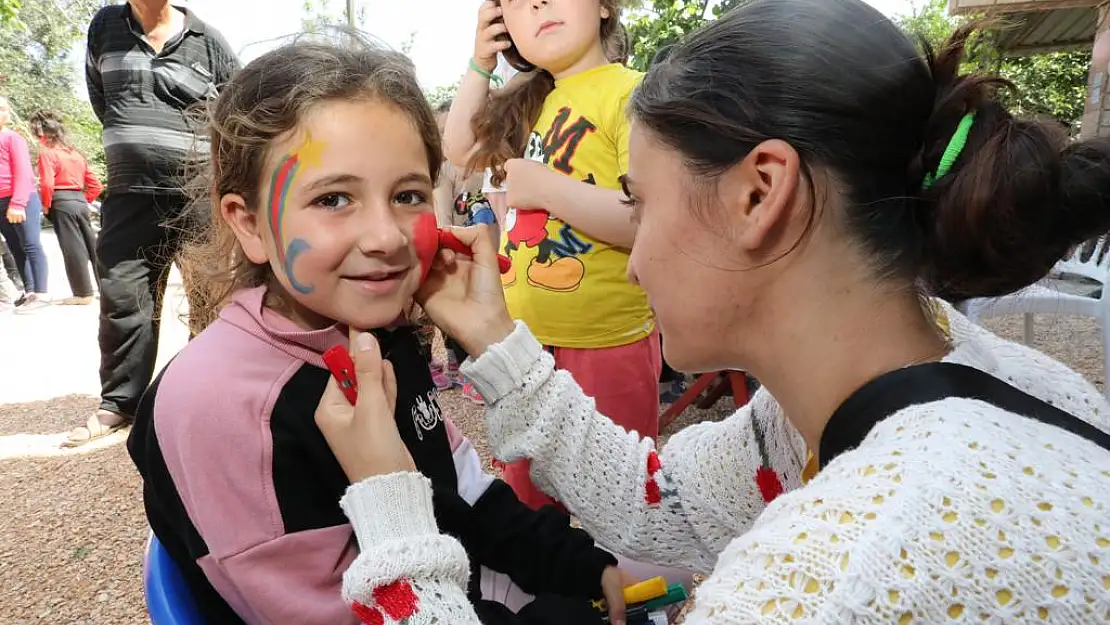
point(411, 198)
point(333, 201)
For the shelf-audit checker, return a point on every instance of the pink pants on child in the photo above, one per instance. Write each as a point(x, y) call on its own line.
point(624, 382)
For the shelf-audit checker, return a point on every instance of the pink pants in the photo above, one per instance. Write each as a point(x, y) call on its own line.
point(623, 380)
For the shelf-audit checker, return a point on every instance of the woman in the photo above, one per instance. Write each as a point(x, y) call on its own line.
point(800, 157)
point(21, 213)
point(66, 186)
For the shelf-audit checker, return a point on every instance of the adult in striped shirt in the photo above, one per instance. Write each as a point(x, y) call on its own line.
point(148, 64)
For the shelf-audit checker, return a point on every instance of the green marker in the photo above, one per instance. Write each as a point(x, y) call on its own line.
point(675, 594)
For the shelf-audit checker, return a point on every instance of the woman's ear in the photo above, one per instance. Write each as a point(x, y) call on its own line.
point(758, 194)
point(245, 224)
point(605, 12)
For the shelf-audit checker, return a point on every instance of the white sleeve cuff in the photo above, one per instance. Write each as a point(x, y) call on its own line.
point(501, 368)
point(393, 506)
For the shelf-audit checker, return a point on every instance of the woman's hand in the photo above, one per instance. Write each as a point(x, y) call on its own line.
point(464, 297)
point(364, 437)
point(613, 582)
point(16, 215)
point(486, 41)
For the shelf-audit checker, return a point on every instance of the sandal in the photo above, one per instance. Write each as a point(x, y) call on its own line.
point(91, 431)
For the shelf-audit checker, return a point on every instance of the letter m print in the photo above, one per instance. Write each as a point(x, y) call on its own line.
point(562, 140)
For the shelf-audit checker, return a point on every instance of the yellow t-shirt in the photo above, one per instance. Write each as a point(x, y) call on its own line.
point(569, 288)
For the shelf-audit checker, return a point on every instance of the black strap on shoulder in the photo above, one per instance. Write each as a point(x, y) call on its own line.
point(934, 381)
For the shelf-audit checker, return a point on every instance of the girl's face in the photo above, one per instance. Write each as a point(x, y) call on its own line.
point(554, 34)
point(338, 200)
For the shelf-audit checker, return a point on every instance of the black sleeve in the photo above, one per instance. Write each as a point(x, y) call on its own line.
point(92, 67)
point(537, 549)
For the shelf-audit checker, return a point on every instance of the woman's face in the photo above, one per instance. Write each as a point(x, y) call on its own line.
point(678, 258)
point(712, 254)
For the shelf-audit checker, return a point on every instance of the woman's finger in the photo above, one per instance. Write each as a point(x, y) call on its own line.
point(479, 241)
point(389, 381)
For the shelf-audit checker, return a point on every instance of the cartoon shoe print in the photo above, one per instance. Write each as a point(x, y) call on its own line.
point(561, 274)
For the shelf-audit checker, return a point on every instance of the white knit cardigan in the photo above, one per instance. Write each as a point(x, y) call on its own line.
point(948, 512)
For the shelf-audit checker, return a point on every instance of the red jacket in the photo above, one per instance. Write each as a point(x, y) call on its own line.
point(63, 169)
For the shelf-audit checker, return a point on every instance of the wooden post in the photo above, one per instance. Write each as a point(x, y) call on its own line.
point(1096, 115)
point(351, 13)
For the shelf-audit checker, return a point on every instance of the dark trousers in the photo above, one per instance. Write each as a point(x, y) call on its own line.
point(10, 267)
point(23, 240)
point(135, 251)
point(69, 214)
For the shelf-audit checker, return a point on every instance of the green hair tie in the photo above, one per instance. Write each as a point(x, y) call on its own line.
point(952, 152)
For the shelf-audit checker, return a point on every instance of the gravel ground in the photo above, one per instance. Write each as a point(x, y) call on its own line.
point(72, 527)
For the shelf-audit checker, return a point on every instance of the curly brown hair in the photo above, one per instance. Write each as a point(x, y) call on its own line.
point(501, 130)
point(263, 102)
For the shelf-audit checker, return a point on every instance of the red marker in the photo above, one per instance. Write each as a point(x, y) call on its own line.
point(339, 362)
point(428, 238)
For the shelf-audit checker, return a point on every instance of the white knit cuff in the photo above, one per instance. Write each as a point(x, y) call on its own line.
point(393, 506)
point(501, 368)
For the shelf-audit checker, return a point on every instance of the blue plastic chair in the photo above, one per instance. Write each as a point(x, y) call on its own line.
point(167, 595)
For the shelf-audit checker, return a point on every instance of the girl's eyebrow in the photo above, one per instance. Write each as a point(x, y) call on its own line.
point(334, 179)
point(415, 176)
point(338, 179)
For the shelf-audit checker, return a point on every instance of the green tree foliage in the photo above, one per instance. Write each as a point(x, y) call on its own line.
point(653, 24)
point(1052, 85)
point(9, 10)
point(38, 69)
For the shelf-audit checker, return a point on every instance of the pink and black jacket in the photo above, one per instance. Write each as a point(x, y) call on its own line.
point(241, 487)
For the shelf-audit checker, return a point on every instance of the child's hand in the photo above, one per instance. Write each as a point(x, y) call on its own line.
point(486, 42)
point(364, 437)
point(613, 582)
point(528, 183)
point(463, 295)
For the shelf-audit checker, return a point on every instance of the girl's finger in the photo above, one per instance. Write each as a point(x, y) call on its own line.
point(494, 30)
point(333, 407)
point(368, 362)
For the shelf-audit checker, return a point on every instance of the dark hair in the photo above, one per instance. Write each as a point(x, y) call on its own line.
point(262, 102)
point(50, 126)
point(501, 130)
point(852, 95)
point(444, 107)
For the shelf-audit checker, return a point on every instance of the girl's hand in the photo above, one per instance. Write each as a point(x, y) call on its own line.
point(364, 437)
point(464, 296)
point(16, 216)
point(486, 42)
point(528, 183)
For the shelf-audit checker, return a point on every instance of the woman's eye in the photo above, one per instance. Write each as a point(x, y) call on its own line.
point(333, 201)
point(411, 198)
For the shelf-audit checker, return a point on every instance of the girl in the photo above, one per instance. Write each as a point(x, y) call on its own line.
point(310, 235)
point(829, 183)
point(21, 214)
point(566, 229)
point(66, 186)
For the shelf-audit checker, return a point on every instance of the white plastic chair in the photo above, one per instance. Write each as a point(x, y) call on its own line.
point(1088, 261)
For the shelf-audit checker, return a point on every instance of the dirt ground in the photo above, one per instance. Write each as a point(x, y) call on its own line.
point(72, 527)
